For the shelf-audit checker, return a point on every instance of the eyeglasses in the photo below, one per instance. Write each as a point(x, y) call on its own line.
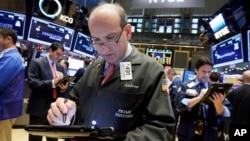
point(111, 42)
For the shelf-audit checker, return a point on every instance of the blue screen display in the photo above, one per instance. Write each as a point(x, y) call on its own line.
point(14, 21)
point(45, 32)
point(188, 75)
point(227, 52)
point(248, 44)
point(82, 46)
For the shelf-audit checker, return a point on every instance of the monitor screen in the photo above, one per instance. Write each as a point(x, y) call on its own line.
point(82, 46)
point(227, 52)
point(75, 64)
point(45, 32)
point(248, 44)
point(14, 21)
point(163, 56)
point(219, 27)
point(188, 75)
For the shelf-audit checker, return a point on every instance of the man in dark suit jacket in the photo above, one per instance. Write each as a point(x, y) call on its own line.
point(240, 99)
point(43, 75)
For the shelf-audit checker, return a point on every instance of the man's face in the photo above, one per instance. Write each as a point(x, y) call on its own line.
point(170, 76)
point(203, 73)
point(110, 39)
point(56, 55)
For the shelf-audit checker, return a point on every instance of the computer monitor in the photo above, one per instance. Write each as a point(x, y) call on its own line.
point(227, 52)
point(163, 56)
point(14, 21)
point(45, 32)
point(248, 45)
point(188, 75)
point(219, 26)
point(82, 46)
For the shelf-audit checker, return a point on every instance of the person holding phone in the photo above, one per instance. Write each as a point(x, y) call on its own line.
point(43, 75)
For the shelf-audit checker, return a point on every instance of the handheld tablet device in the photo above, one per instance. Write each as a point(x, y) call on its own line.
point(66, 79)
point(223, 88)
point(69, 131)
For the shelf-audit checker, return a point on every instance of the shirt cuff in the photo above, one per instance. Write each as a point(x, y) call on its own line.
point(53, 84)
point(185, 101)
point(226, 112)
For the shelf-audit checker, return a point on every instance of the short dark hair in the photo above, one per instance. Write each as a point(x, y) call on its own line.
point(56, 45)
point(5, 32)
point(86, 62)
point(203, 61)
point(214, 76)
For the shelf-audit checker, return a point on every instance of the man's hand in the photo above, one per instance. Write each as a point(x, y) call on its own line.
point(217, 99)
point(63, 86)
point(202, 93)
point(58, 77)
point(58, 109)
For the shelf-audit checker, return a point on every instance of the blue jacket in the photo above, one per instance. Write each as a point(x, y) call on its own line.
point(12, 77)
point(187, 126)
point(173, 91)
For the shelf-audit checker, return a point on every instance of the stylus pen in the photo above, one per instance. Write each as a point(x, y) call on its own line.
point(65, 115)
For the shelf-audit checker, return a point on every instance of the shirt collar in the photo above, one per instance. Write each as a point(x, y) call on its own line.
point(128, 52)
point(7, 50)
point(197, 82)
point(50, 61)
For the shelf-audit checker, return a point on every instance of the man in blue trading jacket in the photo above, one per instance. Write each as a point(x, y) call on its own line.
point(12, 75)
point(123, 90)
point(199, 121)
point(174, 88)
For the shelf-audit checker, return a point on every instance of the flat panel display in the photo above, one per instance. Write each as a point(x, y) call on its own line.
point(219, 27)
point(82, 47)
point(163, 56)
point(228, 52)
point(248, 45)
point(14, 21)
point(45, 32)
point(188, 75)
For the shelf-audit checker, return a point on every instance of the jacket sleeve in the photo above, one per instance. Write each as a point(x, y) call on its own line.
point(34, 74)
point(8, 71)
point(180, 107)
point(158, 119)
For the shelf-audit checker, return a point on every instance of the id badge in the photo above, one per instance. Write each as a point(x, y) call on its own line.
point(126, 71)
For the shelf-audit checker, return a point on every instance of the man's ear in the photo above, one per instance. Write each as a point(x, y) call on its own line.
point(128, 30)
